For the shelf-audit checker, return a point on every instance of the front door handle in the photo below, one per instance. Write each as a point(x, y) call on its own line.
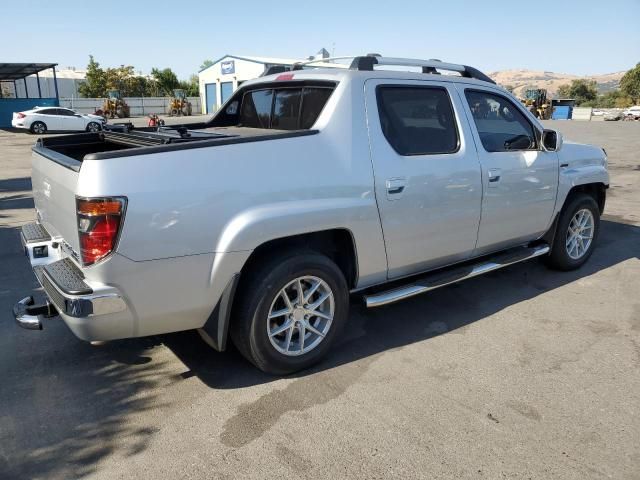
point(494, 175)
point(395, 187)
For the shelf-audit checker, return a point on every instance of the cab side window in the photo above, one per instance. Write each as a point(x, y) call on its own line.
point(417, 120)
point(502, 127)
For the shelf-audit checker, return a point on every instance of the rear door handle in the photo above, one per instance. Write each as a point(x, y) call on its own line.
point(494, 175)
point(395, 187)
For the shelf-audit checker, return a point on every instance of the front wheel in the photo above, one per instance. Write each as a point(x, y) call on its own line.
point(289, 312)
point(576, 234)
point(93, 127)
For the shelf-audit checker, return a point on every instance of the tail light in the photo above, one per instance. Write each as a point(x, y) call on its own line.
point(20, 115)
point(99, 224)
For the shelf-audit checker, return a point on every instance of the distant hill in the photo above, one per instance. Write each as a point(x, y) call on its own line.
point(523, 79)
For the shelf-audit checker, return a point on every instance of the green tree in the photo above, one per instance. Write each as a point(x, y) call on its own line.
point(206, 64)
point(630, 83)
point(191, 86)
point(5, 91)
point(614, 98)
point(166, 80)
point(582, 90)
point(95, 84)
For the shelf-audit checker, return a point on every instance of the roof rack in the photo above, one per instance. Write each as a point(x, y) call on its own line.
point(431, 66)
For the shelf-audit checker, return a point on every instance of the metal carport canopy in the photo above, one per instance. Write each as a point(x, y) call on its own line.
point(16, 71)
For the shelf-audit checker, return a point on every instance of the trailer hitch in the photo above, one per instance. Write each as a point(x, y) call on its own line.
point(29, 316)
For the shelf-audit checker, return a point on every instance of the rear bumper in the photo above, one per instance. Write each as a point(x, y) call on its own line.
point(75, 300)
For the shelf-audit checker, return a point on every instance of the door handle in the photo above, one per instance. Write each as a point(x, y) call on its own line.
point(494, 175)
point(395, 187)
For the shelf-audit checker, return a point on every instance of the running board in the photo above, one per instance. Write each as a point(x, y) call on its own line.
point(455, 274)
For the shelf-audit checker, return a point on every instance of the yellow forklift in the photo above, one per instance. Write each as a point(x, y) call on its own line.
point(535, 99)
point(179, 105)
point(115, 106)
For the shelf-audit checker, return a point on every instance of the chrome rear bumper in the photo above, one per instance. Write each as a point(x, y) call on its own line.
point(63, 282)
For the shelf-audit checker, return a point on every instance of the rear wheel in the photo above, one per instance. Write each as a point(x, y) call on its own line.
point(576, 234)
point(38, 128)
point(290, 311)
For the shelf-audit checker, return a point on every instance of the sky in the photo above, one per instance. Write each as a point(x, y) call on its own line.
point(565, 36)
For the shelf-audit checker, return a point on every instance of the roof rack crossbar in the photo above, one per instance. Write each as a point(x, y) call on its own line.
point(299, 65)
point(428, 66)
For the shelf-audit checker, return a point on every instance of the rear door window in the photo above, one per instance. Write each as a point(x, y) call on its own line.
point(417, 120)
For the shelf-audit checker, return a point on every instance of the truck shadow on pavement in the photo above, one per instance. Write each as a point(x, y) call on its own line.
point(450, 309)
point(65, 405)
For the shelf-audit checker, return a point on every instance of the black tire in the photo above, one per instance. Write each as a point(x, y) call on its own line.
point(559, 257)
point(38, 128)
point(93, 127)
point(259, 289)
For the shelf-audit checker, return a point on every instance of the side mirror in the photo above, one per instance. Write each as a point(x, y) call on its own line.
point(551, 140)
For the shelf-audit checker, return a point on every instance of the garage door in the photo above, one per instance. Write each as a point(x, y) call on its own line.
point(226, 90)
point(210, 93)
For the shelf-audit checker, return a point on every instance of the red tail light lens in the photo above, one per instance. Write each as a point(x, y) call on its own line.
point(21, 115)
point(99, 223)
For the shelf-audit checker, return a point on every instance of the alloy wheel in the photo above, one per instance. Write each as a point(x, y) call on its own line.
point(579, 234)
point(300, 316)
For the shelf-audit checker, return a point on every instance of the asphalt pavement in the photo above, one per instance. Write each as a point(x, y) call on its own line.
point(522, 373)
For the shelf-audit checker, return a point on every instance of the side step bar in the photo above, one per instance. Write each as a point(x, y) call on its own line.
point(455, 274)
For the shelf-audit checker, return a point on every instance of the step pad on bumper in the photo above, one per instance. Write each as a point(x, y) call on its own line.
point(67, 277)
point(34, 232)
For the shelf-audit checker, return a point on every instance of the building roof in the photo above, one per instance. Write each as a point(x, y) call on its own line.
point(66, 73)
point(16, 71)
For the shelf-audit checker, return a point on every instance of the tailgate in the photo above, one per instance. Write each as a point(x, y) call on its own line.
point(54, 179)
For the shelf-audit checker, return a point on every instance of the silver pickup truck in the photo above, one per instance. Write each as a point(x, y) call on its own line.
point(308, 186)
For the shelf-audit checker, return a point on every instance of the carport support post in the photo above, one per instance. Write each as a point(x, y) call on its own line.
point(15, 88)
point(55, 84)
point(26, 90)
point(39, 90)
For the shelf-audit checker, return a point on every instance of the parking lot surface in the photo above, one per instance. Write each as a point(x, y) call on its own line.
point(522, 373)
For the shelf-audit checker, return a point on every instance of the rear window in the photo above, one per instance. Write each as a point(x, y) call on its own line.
point(417, 120)
point(290, 108)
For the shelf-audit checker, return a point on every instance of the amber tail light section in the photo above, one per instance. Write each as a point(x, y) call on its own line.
point(99, 223)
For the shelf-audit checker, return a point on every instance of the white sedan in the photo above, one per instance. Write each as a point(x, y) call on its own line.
point(632, 113)
point(42, 119)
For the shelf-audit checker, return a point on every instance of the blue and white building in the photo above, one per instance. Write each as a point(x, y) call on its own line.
point(220, 80)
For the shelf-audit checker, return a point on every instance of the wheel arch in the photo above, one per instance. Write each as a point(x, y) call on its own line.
point(596, 190)
point(338, 244)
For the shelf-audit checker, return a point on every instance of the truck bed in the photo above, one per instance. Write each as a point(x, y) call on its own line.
point(71, 150)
